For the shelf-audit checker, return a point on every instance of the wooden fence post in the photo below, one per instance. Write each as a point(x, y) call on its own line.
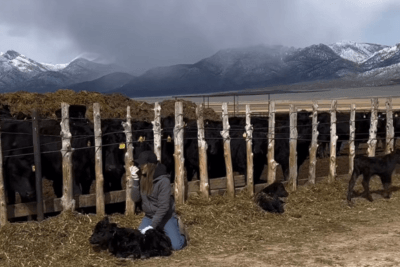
point(180, 190)
point(3, 204)
point(230, 185)
point(272, 164)
point(352, 147)
point(67, 200)
point(249, 151)
point(293, 148)
point(100, 204)
point(157, 130)
point(314, 144)
point(389, 127)
point(202, 145)
point(373, 128)
point(130, 204)
point(38, 166)
point(334, 137)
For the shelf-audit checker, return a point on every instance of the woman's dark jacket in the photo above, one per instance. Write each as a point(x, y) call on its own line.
point(159, 206)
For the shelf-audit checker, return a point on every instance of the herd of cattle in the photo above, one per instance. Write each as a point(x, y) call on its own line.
point(18, 159)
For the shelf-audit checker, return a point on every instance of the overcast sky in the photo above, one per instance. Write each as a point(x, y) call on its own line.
point(150, 33)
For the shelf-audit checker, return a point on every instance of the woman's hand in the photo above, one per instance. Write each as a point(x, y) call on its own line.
point(134, 170)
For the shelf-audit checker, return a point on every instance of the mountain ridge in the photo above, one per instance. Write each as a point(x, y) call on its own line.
point(226, 70)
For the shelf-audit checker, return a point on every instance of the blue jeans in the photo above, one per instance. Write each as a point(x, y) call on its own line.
point(171, 229)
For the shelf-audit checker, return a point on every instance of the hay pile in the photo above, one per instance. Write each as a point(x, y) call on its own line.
point(112, 105)
point(189, 110)
point(216, 227)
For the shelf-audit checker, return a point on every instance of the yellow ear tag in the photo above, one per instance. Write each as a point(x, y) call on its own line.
point(169, 139)
point(141, 139)
point(88, 143)
point(122, 146)
point(33, 168)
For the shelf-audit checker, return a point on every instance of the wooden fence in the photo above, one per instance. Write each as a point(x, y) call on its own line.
point(181, 189)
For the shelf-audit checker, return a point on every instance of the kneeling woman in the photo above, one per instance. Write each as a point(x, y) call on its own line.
point(154, 189)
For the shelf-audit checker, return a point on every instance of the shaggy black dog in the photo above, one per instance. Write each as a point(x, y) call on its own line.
point(130, 243)
point(383, 166)
point(269, 198)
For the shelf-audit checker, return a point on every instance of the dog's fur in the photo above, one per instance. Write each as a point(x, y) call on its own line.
point(269, 198)
point(130, 243)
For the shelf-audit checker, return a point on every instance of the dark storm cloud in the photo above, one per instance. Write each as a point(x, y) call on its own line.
point(144, 34)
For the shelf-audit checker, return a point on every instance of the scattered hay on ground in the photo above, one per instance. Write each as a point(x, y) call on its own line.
point(111, 105)
point(218, 226)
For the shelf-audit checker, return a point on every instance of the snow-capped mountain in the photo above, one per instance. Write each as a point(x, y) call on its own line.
point(244, 68)
point(54, 67)
point(383, 58)
point(27, 65)
point(227, 70)
point(356, 52)
point(18, 72)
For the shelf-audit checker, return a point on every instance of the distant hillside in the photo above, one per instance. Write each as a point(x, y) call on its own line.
point(103, 84)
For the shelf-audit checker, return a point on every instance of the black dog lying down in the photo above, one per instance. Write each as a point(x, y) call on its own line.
point(383, 166)
point(269, 198)
point(130, 243)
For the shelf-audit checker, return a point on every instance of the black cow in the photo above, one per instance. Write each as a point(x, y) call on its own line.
point(269, 198)
point(5, 112)
point(16, 140)
point(191, 151)
point(362, 124)
point(130, 243)
point(82, 158)
point(82, 142)
point(18, 157)
point(381, 130)
point(114, 148)
point(396, 125)
point(215, 149)
point(215, 156)
point(113, 153)
point(259, 145)
point(167, 145)
point(383, 166)
point(142, 136)
point(282, 136)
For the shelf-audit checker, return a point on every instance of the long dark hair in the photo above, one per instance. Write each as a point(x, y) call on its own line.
point(146, 181)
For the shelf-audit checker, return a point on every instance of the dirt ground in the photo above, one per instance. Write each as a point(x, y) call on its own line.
point(317, 229)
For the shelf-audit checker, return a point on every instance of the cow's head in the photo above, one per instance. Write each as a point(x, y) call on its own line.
point(102, 233)
point(213, 137)
point(276, 189)
point(22, 178)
